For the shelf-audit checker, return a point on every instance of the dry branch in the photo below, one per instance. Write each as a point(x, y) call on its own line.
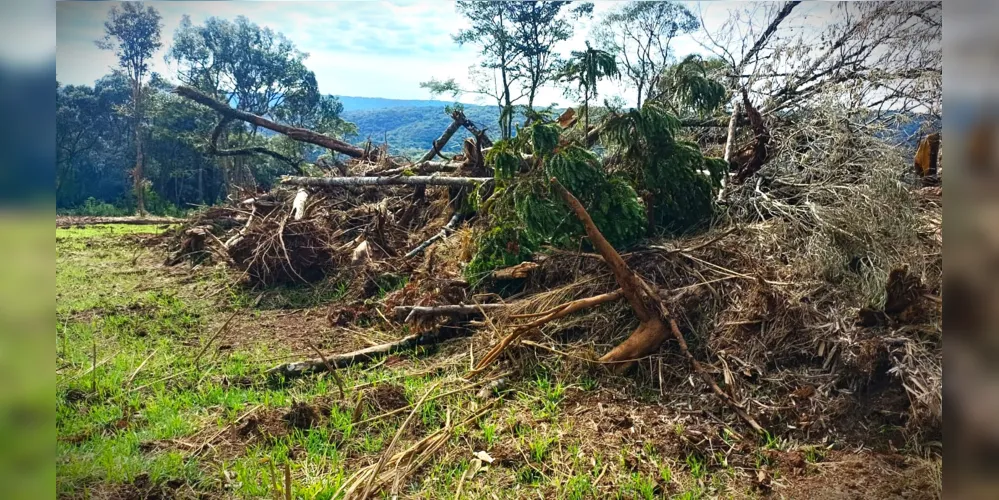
point(439, 236)
point(414, 180)
point(457, 120)
point(423, 167)
point(651, 333)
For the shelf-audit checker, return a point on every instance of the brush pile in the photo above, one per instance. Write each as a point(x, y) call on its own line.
point(813, 298)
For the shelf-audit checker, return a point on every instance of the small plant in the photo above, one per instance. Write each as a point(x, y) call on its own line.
point(539, 448)
point(578, 487)
point(588, 383)
point(489, 433)
point(665, 473)
point(696, 466)
point(814, 454)
point(641, 486)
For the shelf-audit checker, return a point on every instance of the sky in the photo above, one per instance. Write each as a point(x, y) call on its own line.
point(356, 48)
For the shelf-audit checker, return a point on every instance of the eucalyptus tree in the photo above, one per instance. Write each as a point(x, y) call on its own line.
point(133, 33)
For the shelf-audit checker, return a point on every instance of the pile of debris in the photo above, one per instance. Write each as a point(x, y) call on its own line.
point(815, 296)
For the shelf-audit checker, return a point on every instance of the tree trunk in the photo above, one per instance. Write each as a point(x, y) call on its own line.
point(137, 173)
point(458, 119)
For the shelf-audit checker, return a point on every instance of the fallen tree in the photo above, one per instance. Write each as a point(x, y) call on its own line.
point(645, 302)
point(298, 134)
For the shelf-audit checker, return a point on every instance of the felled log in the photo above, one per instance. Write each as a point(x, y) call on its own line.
point(299, 134)
point(408, 313)
point(414, 180)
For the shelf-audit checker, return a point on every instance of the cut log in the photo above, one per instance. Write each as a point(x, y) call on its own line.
point(299, 134)
point(414, 180)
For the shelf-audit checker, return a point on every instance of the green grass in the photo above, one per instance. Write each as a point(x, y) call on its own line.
point(146, 406)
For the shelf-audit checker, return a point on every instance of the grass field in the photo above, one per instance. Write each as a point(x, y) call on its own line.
point(147, 408)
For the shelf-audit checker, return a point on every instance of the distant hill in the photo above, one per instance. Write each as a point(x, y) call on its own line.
point(368, 103)
point(411, 127)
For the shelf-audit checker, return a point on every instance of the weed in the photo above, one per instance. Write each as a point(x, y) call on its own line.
point(641, 486)
point(695, 465)
point(489, 433)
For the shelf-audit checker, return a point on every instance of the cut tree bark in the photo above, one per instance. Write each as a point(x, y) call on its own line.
point(414, 180)
point(299, 134)
point(925, 161)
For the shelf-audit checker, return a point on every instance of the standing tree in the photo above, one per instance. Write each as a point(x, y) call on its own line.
point(640, 34)
point(586, 68)
point(133, 33)
point(517, 41)
point(537, 27)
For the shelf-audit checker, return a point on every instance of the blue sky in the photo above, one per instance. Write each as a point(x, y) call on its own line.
point(357, 48)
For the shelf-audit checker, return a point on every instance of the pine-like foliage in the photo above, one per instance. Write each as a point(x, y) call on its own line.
point(667, 172)
point(526, 213)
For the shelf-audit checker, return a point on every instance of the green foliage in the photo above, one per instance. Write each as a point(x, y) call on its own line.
point(501, 246)
point(667, 172)
point(689, 88)
point(528, 213)
point(504, 159)
point(544, 137)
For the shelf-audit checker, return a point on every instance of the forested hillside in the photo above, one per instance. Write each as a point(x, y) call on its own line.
point(412, 129)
